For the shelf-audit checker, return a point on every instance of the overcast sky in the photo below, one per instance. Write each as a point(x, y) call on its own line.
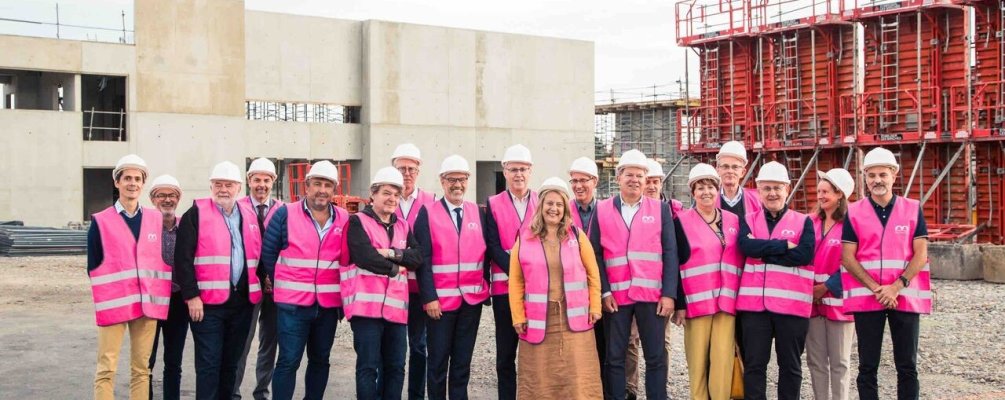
point(634, 39)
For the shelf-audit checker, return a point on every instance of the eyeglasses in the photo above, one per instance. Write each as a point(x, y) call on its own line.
point(579, 181)
point(454, 181)
point(166, 196)
point(734, 167)
point(520, 170)
point(408, 170)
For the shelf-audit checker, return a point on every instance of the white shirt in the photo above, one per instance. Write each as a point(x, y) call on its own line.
point(453, 215)
point(732, 202)
point(520, 204)
point(628, 211)
point(120, 209)
point(405, 203)
point(255, 204)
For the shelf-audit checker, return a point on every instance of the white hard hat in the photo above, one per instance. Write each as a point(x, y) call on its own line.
point(655, 169)
point(323, 169)
point(702, 171)
point(407, 151)
point(841, 179)
point(732, 149)
point(388, 176)
point(262, 166)
point(517, 153)
point(584, 165)
point(165, 182)
point(880, 157)
point(773, 172)
point(130, 161)
point(554, 183)
point(633, 158)
point(226, 171)
point(454, 163)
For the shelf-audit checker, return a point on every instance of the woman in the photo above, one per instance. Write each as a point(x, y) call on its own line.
point(828, 342)
point(554, 294)
point(710, 279)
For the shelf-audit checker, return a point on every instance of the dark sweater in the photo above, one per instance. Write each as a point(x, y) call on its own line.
point(95, 251)
point(365, 256)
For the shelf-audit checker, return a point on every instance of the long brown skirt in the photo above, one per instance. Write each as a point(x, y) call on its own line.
point(564, 366)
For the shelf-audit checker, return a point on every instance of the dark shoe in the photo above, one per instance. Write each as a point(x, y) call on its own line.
point(631, 396)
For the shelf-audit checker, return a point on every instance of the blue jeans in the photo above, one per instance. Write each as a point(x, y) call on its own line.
point(219, 340)
point(174, 330)
point(416, 348)
point(451, 341)
point(380, 357)
point(310, 327)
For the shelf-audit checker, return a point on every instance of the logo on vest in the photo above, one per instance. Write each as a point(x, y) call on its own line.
point(337, 231)
point(254, 227)
point(152, 237)
point(833, 242)
point(900, 229)
point(573, 243)
point(401, 243)
point(648, 219)
point(732, 231)
point(787, 233)
point(472, 226)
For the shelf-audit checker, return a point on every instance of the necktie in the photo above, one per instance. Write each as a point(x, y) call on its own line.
point(261, 217)
point(458, 212)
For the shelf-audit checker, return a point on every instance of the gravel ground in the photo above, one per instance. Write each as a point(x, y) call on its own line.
point(47, 341)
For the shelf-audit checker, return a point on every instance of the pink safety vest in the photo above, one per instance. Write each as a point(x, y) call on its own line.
point(458, 257)
point(751, 201)
point(212, 253)
point(576, 220)
point(307, 270)
point(369, 295)
point(509, 224)
point(711, 276)
point(827, 261)
point(534, 265)
point(676, 207)
point(133, 280)
point(775, 288)
point(251, 206)
point(884, 252)
point(422, 198)
point(634, 257)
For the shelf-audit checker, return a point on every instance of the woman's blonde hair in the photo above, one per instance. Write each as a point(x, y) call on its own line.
point(538, 227)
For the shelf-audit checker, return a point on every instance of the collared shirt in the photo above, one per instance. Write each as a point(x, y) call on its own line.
point(121, 209)
point(405, 203)
point(732, 202)
point(586, 212)
point(848, 234)
point(254, 203)
point(453, 215)
point(236, 244)
point(520, 203)
point(628, 211)
point(322, 230)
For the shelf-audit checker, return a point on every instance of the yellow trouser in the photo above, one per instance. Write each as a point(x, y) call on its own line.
point(708, 346)
point(141, 343)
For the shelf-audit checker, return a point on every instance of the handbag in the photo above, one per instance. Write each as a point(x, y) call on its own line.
point(736, 390)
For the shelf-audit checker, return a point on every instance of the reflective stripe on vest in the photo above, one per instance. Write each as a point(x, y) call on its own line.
point(775, 288)
point(212, 252)
point(711, 276)
point(457, 272)
point(885, 251)
point(509, 224)
point(422, 198)
point(827, 261)
point(534, 265)
point(633, 258)
point(369, 295)
point(132, 280)
point(307, 270)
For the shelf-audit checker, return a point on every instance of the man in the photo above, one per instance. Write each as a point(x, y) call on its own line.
point(303, 249)
point(885, 255)
point(407, 159)
point(261, 176)
point(633, 237)
point(451, 281)
point(165, 193)
point(505, 214)
point(216, 259)
point(130, 282)
point(776, 287)
point(731, 164)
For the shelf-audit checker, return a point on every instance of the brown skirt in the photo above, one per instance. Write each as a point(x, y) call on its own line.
point(564, 366)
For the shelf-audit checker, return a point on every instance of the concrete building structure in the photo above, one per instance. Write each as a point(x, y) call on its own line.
point(210, 81)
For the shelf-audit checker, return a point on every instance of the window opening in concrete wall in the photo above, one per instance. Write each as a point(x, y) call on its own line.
point(103, 101)
point(302, 112)
point(37, 90)
point(99, 191)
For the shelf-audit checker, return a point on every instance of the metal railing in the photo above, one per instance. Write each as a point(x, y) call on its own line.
point(103, 132)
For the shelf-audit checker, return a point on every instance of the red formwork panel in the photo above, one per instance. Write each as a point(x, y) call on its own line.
point(948, 202)
point(913, 55)
point(989, 182)
point(698, 21)
point(726, 71)
point(980, 107)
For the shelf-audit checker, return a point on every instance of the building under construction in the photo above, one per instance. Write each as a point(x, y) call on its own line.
point(814, 84)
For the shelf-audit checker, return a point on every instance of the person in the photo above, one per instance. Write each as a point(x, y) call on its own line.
point(130, 282)
point(303, 249)
point(731, 164)
point(216, 262)
point(261, 177)
point(554, 292)
point(885, 256)
point(451, 281)
point(165, 194)
point(407, 159)
point(374, 286)
point(506, 214)
point(710, 281)
point(776, 287)
point(828, 341)
point(639, 274)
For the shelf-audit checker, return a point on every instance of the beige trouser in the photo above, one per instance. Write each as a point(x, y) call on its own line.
point(141, 343)
point(708, 347)
point(632, 360)
point(828, 355)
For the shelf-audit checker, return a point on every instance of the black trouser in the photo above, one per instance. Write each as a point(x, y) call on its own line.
point(599, 332)
point(174, 330)
point(506, 344)
point(869, 327)
point(416, 348)
point(789, 334)
point(450, 342)
point(652, 329)
point(219, 341)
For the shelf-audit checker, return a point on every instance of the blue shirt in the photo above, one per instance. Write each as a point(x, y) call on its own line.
point(322, 230)
point(236, 244)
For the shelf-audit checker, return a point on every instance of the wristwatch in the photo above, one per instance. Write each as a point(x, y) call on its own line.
point(904, 281)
